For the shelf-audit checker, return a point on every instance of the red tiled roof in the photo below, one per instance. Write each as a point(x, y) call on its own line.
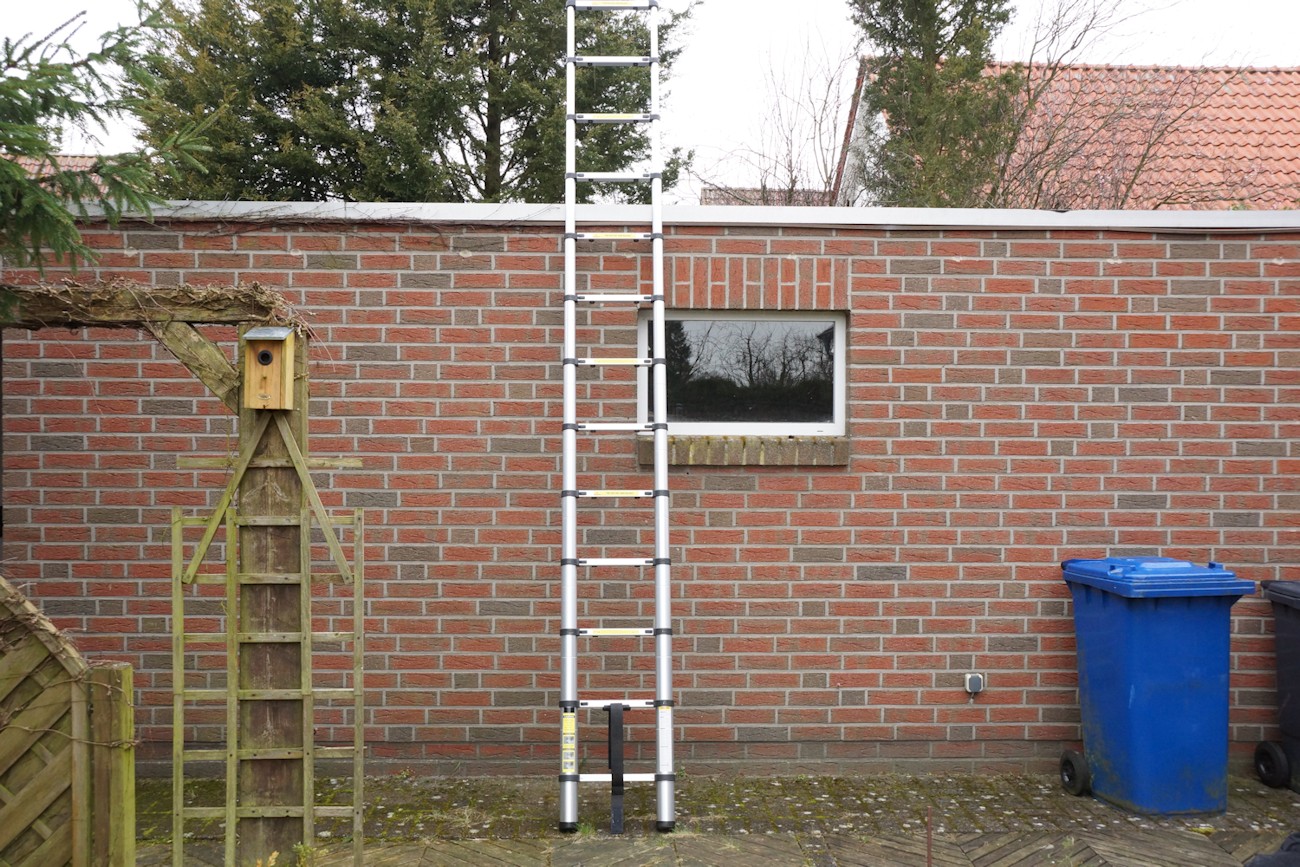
point(1222, 137)
point(67, 162)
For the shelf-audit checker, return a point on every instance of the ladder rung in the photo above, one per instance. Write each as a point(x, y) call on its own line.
point(333, 636)
point(626, 702)
point(614, 177)
point(270, 753)
point(292, 694)
point(614, 425)
point(614, 236)
point(205, 638)
point(335, 752)
point(614, 117)
point(605, 778)
point(334, 811)
point(615, 560)
point(614, 4)
point(209, 578)
point(268, 521)
point(203, 812)
point(590, 362)
point(616, 631)
point(268, 637)
point(616, 493)
point(225, 462)
point(203, 695)
point(334, 693)
point(270, 812)
point(267, 694)
point(288, 637)
point(203, 755)
point(613, 298)
point(270, 577)
point(613, 60)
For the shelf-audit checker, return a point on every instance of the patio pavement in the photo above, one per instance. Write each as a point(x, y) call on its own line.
point(973, 821)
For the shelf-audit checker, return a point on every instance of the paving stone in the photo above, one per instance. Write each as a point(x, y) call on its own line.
point(377, 855)
point(602, 851)
point(1011, 849)
point(1243, 845)
point(1159, 848)
point(484, 853)
point(732, 849)
point(896, 850)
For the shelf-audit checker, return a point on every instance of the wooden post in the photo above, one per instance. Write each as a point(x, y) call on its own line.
point(112, 732)
point(80, 780)
point(271, 505)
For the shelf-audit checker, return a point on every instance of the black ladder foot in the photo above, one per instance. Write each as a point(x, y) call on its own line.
point(615, 768)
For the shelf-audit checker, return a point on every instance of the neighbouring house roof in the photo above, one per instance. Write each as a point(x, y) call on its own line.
point(1151, 137)
point(67, 162)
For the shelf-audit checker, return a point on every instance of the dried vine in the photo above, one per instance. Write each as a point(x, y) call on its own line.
point(127, 304)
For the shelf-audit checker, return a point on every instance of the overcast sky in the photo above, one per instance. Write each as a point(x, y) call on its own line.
point(719, 89)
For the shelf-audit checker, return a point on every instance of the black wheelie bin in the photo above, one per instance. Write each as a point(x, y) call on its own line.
point(1278, 762)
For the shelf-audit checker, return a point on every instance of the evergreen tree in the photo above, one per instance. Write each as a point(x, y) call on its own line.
point(395, 100)
point(939, 125)
point(46, 87)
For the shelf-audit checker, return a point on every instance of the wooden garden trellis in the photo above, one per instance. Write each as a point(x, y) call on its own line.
point(186, 572)
point(270, 703)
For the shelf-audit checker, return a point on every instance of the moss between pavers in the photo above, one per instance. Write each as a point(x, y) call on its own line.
point(405, 807)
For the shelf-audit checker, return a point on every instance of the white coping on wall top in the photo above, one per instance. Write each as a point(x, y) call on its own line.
point(727, 216)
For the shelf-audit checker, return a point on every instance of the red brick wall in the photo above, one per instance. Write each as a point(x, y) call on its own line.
point(1015, 398)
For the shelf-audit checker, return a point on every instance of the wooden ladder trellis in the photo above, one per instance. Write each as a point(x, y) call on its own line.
point(186, 572)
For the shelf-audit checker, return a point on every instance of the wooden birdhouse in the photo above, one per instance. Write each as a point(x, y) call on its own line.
point(268, 368)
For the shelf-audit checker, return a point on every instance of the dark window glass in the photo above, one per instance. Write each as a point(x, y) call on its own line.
point(750, 370)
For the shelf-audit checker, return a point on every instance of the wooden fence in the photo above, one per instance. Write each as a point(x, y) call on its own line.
point(67, 773)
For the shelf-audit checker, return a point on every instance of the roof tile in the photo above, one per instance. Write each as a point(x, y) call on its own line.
point(1233, 136)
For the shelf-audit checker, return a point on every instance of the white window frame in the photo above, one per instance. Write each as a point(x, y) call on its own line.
point(835, 427)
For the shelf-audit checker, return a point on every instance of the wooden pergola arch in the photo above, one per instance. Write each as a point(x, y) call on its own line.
point(169, 313)
point(277, 499)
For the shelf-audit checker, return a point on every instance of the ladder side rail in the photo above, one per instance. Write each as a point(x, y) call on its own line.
point(178, 690)
point(569, 450)
point(234, 556)
point(358, 688)
point(306, 675)
point(665, 781)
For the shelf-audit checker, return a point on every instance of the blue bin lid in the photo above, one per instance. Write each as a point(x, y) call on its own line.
point(1141, 577)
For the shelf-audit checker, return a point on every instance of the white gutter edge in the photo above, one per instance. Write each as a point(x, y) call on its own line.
point(518, 214)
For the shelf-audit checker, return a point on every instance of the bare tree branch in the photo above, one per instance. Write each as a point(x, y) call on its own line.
point(795, 148)
point(1109, 136)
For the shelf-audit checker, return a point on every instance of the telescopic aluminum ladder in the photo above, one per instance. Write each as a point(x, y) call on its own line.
point(571, 562)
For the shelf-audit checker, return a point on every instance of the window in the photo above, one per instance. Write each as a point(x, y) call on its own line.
point(752, 373)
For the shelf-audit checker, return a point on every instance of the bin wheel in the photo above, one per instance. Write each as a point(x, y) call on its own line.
point(1271, 764)
point(1075, 777)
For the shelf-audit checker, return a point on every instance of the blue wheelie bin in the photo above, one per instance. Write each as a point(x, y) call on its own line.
point(1152, 636)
